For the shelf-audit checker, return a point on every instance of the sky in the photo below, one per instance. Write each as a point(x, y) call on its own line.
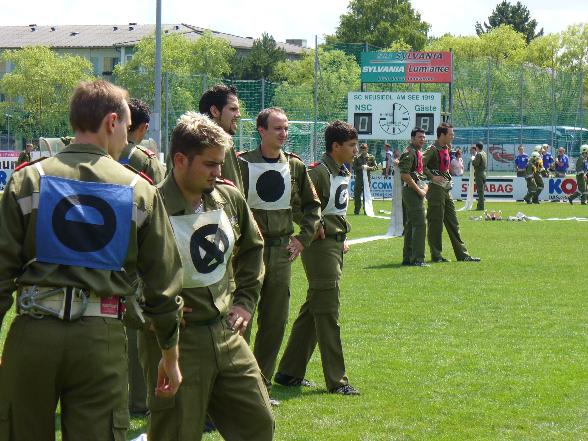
point(292, 19)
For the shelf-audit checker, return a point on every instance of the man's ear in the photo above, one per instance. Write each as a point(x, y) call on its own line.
point(109, 121)
point(215, 112)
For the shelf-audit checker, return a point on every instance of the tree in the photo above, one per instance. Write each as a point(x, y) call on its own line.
point(338, 74)
point(183, 60)
point(517, 16)
point(261, 60)
point(381, 23)
point(39, 88)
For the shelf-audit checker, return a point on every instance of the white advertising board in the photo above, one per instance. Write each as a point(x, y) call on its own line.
point(392, 115)
point(505, 188)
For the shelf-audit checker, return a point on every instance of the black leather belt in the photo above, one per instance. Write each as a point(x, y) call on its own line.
point(339, 237)
point(276, 241)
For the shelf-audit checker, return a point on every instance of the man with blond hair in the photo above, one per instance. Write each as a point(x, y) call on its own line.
point(211, 220)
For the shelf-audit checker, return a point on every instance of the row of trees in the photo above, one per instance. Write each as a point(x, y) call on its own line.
point(192, 65)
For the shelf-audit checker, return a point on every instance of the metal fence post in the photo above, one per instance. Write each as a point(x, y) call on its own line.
point(166, 150)
point(521, 103)
point(553, 109)
point(204, 83)
point(488, 107)
point(581, 110)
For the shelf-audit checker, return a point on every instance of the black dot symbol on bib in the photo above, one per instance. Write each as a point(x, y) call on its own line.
point(207, 255)
point(84, 223)
point(270, 186)
point(341, 197)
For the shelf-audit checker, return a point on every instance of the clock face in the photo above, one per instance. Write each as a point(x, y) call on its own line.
point(396, 121)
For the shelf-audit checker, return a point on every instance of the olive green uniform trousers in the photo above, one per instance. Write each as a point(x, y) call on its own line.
point(441, 211)
point(273, 307)
point(480, 186)
point(137, 387)
point(415, 227)
point(220, 376)
point(317, 321)
point(82, 364)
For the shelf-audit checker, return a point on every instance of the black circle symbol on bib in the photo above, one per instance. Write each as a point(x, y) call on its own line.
point(82, 236)
point(270, 186)
point(213, 254)
point(341, 197)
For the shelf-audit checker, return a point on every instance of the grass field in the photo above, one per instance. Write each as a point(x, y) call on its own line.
point(495, 350)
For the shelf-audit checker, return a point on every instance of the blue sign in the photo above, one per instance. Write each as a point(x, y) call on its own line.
point(83, 224)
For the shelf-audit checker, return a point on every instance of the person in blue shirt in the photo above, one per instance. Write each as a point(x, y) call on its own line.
point(548, 161)
point(562, 163)
point(521, 162)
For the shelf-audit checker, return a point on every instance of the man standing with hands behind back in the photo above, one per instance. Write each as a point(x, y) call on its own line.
point(272, 179)
point(318, 319)
point(441, 210)
point(414, 190)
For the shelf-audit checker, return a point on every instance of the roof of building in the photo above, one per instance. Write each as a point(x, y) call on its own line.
point(101, 36)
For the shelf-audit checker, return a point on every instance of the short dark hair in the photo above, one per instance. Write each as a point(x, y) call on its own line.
point(443, 129)
point(92, 101)
point(479, 145)
point(194, 133)
point(264, 115)
point(139, 113)
point(339, 132)
point(217, 96)
point(416, 130)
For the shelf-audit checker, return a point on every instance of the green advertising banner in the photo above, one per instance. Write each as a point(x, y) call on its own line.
point(406, 67)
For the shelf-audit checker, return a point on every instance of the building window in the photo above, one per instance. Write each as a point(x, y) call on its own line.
point(109, 63)
point(95, 65)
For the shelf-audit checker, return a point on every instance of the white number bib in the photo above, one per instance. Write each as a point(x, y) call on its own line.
point(270, 187)
point(205, 241)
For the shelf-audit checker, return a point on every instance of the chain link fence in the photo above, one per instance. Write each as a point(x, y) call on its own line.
point(501, 104)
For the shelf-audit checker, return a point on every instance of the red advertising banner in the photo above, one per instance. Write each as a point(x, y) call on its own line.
point(428, 67)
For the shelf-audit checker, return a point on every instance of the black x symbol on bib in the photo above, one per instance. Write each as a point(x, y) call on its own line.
point(213, 254)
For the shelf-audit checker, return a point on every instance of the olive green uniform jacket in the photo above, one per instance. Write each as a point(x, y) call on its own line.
point(144, 161)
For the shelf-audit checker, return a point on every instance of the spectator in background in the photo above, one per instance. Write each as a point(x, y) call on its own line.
point(456, 166)
point(25, 155)
point(562, 163)
point(388, 161)
point(521, 162)
point(548, 161)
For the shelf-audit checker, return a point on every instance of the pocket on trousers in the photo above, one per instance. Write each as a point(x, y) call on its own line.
point(157, 404)
point(120, 424)
point(4, 420)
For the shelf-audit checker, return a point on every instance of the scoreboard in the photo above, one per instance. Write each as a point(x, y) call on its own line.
point(392, 115)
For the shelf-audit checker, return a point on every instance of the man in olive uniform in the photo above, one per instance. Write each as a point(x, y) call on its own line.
point(317, 321)
point(441, 210)
point(361, 162)
point(272, 180)
point(414, 190)
point(138, 157)
point(533, 178)
point(480, 163)
point(25, 155)
point(581, 171)
point(75, 232)
point(209, 218)
point(221, 103)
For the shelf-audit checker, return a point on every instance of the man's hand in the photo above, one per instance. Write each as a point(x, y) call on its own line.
point(169, 376)
point(320, 233)
point(438, 180)
point(294, 248)
point(345, 247)
point(185, 310)
point(239, 319)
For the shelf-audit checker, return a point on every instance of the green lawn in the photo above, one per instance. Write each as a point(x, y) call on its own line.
point(495, 350)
